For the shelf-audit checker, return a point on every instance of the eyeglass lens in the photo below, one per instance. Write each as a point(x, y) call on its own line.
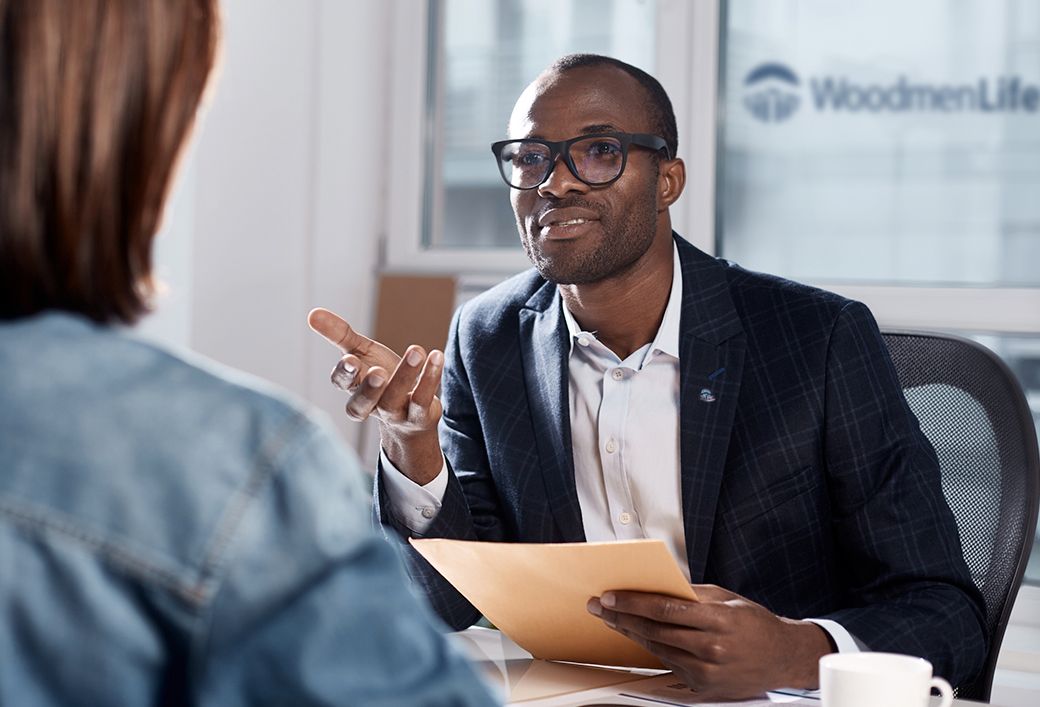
point(596, 159)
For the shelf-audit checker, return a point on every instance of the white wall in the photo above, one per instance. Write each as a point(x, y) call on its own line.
point(279, 208)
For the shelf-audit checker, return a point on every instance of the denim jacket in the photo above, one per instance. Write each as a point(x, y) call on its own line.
point(171, 532)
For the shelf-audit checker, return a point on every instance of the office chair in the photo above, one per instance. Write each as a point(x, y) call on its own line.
point(971, 408)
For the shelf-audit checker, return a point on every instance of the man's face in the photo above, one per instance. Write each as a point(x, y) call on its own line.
point(574, 233)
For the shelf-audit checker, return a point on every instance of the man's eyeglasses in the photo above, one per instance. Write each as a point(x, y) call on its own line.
point(596, 160)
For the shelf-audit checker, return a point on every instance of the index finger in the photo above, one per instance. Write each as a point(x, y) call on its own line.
point(663, 608)
point(337, 332)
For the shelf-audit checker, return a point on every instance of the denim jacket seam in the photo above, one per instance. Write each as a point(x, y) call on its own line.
point(215, 559)
point(198, 590)
point(264, 470)
point(43, 521)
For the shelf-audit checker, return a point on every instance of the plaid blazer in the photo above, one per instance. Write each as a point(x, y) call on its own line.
point(807, 485)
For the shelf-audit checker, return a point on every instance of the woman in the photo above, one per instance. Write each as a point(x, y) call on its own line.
point(170, 532)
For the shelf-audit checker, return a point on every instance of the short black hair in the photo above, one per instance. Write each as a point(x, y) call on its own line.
point(661, 114)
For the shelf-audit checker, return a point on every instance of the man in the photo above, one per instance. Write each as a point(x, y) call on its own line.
point(632, 386)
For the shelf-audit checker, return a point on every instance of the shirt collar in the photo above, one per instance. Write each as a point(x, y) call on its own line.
point(666, 340)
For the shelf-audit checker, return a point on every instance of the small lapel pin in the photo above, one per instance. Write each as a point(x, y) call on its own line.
point(706, 395)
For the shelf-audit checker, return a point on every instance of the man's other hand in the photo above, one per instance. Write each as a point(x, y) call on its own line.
point(401, 392)
point(724, 646)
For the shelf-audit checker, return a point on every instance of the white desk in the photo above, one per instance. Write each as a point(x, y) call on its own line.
point(526, 682)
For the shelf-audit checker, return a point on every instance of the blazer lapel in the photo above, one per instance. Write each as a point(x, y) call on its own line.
point(544, 349)
point(711, 354)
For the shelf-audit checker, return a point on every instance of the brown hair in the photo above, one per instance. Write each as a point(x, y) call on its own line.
point(96, 100)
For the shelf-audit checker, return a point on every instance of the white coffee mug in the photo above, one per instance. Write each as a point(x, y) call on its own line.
point(879, 680)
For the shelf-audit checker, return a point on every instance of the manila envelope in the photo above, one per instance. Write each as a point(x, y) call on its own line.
point(536, 593)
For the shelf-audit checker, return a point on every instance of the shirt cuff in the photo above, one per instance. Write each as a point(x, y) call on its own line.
point(414, 505)
point(844, 641)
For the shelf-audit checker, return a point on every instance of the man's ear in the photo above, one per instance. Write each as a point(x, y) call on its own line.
point(671, 180)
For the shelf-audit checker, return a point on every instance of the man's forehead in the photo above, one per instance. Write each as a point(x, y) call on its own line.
point(578, 100)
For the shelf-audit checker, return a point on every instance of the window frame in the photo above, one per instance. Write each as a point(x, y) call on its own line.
point(685, 69)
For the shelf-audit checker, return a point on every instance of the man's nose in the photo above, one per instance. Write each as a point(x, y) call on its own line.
point(561, 181)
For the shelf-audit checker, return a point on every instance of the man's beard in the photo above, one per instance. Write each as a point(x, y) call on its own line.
point(624, 243)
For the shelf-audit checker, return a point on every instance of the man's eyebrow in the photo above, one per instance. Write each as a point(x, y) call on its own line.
point(599, 128)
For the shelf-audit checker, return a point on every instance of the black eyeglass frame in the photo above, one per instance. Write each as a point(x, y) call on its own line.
point(562, 149)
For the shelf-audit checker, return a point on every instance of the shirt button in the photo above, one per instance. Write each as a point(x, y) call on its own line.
point(611, 446)
point(583, 340)
point(427, 512)
point(618, 374)
point(625, 518)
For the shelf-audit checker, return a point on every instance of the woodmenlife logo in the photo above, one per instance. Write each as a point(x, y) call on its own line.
point(773, 93)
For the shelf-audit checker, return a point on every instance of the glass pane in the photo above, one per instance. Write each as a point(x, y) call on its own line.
point(1021, 352)
point(1022, 355)
point(888, 141)
point(487, 52)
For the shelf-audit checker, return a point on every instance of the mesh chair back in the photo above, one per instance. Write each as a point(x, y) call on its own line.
point(971, 408)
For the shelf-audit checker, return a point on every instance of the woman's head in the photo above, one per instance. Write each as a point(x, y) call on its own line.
point(96, 100)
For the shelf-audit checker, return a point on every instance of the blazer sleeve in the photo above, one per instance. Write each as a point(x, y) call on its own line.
point(469, 509)
point(910, 589)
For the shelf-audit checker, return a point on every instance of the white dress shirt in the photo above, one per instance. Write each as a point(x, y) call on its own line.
point(625, 442)
point(625, 433)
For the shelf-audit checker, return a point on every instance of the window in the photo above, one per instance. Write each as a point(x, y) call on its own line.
point(860, 146)
point(891, 151)
point(478, 57)
point(489, 52)
point(1022, 355)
